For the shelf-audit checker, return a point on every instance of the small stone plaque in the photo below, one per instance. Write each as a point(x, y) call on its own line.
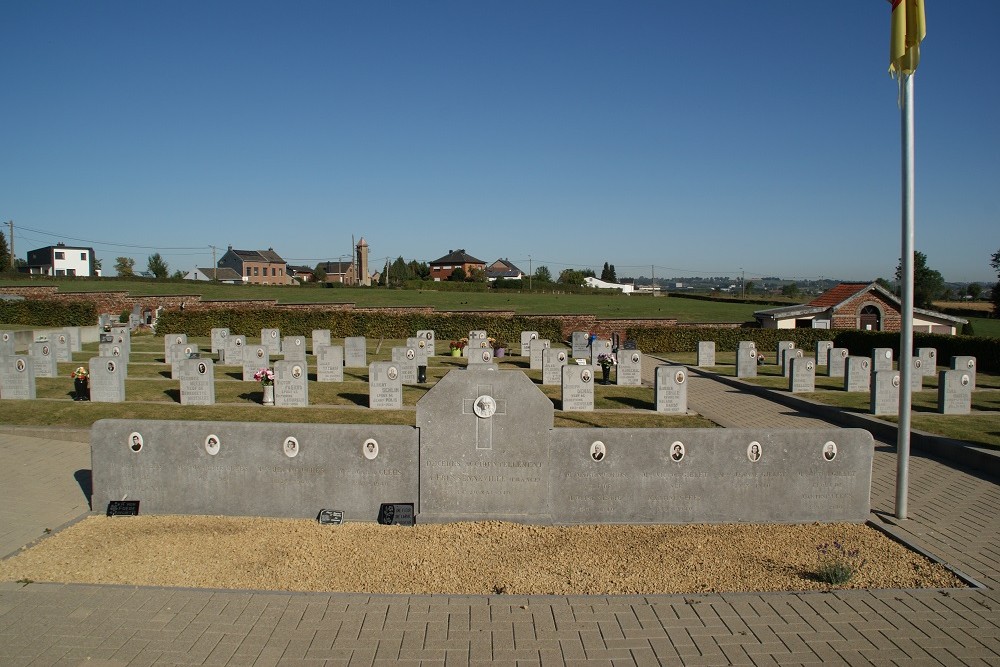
point(882, 359)
point(320, 338)
point(706, 353)
point(836, 360)
point(526, 338)
point(271, 339)
point(355, 352)
point(123, 508)
point(746, 362)
point(802, 375)
point(17, 377)
point(294, 348)
point(330, 363)
point(553, 359)
point(857, 373)
point(671, 389)
point(535, 352)
point(385, 386)
point(578, 388)
point(885, 393)
point(291, 384)
point(954, 392)
point(396, 514)
point(823, 348)
point(331, 517)
point(628, 372)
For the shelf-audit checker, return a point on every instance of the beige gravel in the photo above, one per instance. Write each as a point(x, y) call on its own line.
point(462, 558)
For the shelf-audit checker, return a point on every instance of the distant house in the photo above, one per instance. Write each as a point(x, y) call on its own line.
point(502, 268)
point(224, 275)
point(442, 268)
point(304, 274)
point(257, 267)
point(61, 260)
point(591, 281)
point(865, 306)
point(339, 272)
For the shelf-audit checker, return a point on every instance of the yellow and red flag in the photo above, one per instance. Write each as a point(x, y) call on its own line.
point(908, 28)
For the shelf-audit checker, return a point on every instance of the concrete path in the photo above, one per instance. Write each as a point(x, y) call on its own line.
point(954, 514)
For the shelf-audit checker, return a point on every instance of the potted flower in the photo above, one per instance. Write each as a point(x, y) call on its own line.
point(266, 378)
point(499, 347)
point(81, 384)
point(457, 346)
point(606, 361)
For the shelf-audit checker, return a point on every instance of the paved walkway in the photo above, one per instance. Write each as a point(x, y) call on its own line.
point(955, 514)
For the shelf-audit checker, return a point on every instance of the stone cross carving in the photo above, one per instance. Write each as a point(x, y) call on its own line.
point(484, 406)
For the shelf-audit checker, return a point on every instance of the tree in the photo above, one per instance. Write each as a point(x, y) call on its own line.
point(608, 273)
point(177, 274)
point(928, 284)
point(5, 264)
point(974, 290)
point(543, 275)
point(156, 266)
point(125, 267)
point(995, 296)
point(748, 287)
point(458, 275)
point(98, 265)
point(791, 289)
point(571, 277)
point(477, 276)
point(319, 272)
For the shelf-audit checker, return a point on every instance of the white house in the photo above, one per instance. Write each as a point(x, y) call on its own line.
point(62, 260)
point(600, 284)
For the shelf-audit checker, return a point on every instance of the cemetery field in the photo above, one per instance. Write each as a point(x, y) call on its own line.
point(150, 393)
point(981, 427)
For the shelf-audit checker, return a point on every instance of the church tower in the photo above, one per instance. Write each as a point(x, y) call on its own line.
point(364, 276)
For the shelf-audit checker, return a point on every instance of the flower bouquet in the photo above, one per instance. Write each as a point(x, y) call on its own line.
point(81, 384)
point(265, 376)
point(605, 361)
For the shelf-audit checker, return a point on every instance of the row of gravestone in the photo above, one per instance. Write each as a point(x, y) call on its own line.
point(874, 374)
point(485, 448)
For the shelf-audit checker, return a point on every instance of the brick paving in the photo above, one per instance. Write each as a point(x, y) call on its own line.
point(954, 514)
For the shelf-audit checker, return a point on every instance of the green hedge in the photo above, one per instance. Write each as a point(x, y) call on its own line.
point(985, 350)
point(48, 313)
point(446, 326)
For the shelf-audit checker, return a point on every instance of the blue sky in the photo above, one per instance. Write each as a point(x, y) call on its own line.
point(699, 138)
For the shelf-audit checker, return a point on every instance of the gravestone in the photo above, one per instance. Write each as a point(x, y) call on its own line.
point(535, 352)
point(178, 353)
point(954, 392)
point(254, 469)
point(123, 336)
point(330, 363)
point(526, 338)
point(628, 372)
point(823, 348)
point(75, 339)
point(746, 362)
point(478, 340)
point(786, 359)
point(578, 388)
point(967, 364)
point(553, 359)
point(836, 360)
point(916, 374)
point(320, 338)
point(746, 344)
point(671, 390)
point(219, 336)
point(17, 377)
point(107, 380)
point(857, 374)
point(802, 374)
point(7, 348)
point(355, 352)
point(234, 353)
point(419, 344)
point(405, 358)
point(255, 357)
point(62, 346)
point(580, 342)
point(385, 386)
point(480, 356)
point(291, 384)
point(885, 393)
point(928, 355)
point(271, 339)
point(783, 345)
point(598, 347)
point(43, 360)
point(706, 353)
point(197, 381)
point(293, 348)
point(169, 341)
point(430, 341)
point(881, 359)
point(484, 439)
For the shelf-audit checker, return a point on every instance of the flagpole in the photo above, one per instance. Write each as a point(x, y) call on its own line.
point(906, 324)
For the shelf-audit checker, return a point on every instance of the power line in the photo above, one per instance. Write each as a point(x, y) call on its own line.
point(109, 243)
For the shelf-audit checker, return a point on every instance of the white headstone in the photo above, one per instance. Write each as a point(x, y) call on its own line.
point(671, 389)
point(578, 388)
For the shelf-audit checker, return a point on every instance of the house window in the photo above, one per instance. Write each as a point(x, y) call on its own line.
point(83, 256)
point(274, 271)
point(256, 270)
point(248, 272)
point(60, 255)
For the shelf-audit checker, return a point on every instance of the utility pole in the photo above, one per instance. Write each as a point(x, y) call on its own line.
point(652, 273)
point(215, 267)
point(529, 273)
point(13, 264)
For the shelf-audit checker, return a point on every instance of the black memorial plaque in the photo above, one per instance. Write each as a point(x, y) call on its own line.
point(330, 517)
point(396, 514)
point(107, 338)
point(123, 508)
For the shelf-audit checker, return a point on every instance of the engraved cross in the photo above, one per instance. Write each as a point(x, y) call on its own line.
point(484, 406)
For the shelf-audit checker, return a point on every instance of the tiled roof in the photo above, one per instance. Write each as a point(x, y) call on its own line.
point(224, 273)
point(458, 257)
point(839, 294)
point(259, 256)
